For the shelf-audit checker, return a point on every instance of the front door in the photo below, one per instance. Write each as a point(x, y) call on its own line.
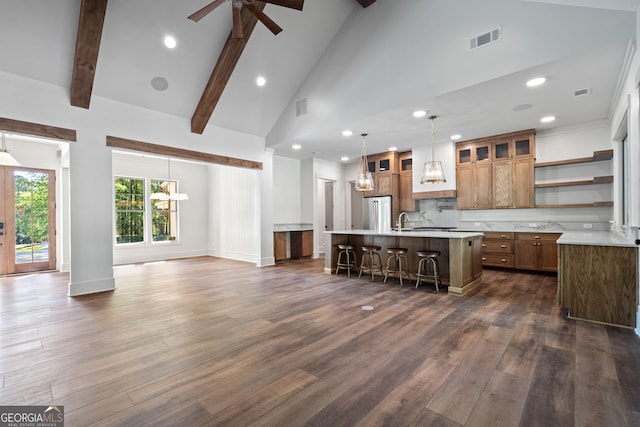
point(27, 223)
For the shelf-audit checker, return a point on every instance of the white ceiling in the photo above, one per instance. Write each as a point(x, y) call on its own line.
point(363, 69)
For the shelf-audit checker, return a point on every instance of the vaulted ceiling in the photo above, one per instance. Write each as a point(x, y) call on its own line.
point(358, 64)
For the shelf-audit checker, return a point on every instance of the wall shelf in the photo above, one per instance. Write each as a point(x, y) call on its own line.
point(598, 156)
point(596, 180)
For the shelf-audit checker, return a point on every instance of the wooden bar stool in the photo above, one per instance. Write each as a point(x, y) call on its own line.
point(396, 264)
point(346, 258)
point(370, 253)
point(428, 267)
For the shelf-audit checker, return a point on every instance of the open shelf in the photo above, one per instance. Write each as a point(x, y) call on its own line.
point(597, 157)
point(596, 180)
point(578, 205)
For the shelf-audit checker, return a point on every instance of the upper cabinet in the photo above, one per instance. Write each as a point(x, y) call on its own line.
point(407, 204)
point(384, 170)
point(496, 172)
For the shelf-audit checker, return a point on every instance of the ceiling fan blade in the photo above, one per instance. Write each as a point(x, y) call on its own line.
point(236, 31)
point(196, 16)
point(268, 22)
point(293, 4)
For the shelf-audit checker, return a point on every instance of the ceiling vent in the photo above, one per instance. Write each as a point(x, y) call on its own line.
point(582, 92)
point(489, 37)
point(301, 107)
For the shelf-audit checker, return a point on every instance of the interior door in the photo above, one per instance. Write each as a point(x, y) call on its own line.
point(328, 206)
point(27, 226)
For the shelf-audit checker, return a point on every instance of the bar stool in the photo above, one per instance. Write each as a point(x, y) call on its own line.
point(428, 258)
point(396, 263)
point(346, 258)
point(370, 253)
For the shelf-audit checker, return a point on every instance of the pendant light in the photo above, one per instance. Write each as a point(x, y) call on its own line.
point(7, 159)
point(167, 194)
point(364, 181)
point(433, 172)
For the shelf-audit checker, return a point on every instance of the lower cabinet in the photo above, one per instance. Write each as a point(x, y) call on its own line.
point(307, 243)
point(280, 245)
point(526, 251)
point(536, 251)
point(497, 249)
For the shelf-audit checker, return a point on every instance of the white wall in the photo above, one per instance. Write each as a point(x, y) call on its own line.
point(286, 191)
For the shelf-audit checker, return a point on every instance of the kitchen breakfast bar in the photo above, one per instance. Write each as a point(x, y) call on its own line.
point(460, 259)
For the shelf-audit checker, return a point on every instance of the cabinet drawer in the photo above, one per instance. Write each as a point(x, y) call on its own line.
point(498, 260)
point(498, 235)
point(538, 236)
point(502, 246)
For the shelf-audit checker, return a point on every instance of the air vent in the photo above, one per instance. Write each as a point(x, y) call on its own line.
point(301, 107)
point(486, 38)
point(581, 92)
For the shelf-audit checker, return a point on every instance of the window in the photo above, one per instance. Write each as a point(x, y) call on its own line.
point(164, 213)
point(129, 210)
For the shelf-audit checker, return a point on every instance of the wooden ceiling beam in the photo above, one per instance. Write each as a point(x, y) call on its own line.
point(37, 129)
point(92, 13)
point(366, 3)
point(221, 74)
point(164, 150)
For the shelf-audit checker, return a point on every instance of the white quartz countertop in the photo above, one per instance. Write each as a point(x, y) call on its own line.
point(596, 238)
point(292, 227)
point(435, 234)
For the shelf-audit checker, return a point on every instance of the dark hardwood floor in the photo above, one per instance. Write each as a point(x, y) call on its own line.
point(207, 341)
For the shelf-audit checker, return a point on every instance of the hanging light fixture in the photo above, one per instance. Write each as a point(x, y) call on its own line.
point(167, 194)
point(7, 159)
point(433, 172)
point(364, 181)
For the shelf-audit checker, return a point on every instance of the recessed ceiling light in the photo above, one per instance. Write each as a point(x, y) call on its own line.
point(347, 132)
point(170, 42)
point(344, 158)
point(456, 137)
point(536, 82)
point(296, 146)
point(261, 81)
point(547, 119)
point(393, 148)
point(522, 107)
point(159, 83)
point(419, 113)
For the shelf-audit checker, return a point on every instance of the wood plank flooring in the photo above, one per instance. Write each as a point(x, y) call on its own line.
point(213, 342)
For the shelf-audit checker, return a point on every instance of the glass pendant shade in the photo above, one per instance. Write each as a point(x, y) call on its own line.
point(7, 159)
point(364, 180)
point(432, 173)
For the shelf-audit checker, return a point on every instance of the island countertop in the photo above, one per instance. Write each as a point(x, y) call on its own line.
point(409, 233)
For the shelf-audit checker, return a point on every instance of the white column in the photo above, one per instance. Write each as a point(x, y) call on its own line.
point(266, 256)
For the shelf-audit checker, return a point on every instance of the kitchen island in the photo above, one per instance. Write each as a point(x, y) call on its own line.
point(460, 257)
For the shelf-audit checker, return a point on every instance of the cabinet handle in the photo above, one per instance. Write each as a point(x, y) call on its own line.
point(503, 246)
point(503, 260)
point(484, 246)
point(536, 237)
point(504, 236)
point(484, 259)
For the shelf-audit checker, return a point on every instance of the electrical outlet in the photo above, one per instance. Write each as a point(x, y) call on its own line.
point(587, 225)
point(533, 224)
point(477, 224)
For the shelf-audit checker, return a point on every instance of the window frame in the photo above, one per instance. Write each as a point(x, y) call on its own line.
point(143, 211)
point(173, 185)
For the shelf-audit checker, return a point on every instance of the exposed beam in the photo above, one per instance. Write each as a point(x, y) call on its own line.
point(36, 129)
point(221, 74)
point(366, 3)
point(90, 25)
point(163, 150)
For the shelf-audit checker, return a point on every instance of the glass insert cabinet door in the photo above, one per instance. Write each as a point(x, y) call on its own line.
point(28, 227)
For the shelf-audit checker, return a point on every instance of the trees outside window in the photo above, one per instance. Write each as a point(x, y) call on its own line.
point(129, 210)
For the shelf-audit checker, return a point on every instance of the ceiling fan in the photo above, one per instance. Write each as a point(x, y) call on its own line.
point(251, 7)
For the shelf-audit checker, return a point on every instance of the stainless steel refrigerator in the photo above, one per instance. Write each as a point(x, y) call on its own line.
point(377, 213)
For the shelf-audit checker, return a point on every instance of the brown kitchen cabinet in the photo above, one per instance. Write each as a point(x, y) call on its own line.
point(307, 243)
point(280, 245)
point(536, 251)
point(497, 249)
point(407, 204)
point(474, 186)
point(496, 172)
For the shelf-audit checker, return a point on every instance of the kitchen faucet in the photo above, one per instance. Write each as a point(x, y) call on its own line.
point(400, 220)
